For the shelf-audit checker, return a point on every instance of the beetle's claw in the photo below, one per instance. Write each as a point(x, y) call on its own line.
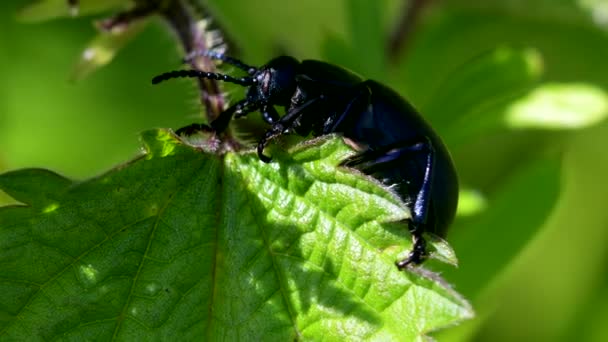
point(261, 155)
point(264, 158)
point(413, 258)
point(416, 256)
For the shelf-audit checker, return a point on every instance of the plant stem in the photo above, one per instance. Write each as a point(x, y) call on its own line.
point(401, 37)
point(193, 37)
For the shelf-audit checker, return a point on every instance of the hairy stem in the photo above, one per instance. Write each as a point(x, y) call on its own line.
point(402, 35)
point(191, 33)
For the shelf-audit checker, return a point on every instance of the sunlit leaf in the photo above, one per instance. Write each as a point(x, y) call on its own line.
point(598, 9)
point(559, 106)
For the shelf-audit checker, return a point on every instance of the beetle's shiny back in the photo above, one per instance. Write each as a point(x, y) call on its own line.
point(389, 120)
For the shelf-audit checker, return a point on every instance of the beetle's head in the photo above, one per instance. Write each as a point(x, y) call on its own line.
point(275, 82)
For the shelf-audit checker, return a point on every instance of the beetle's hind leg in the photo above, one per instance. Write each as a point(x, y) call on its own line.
point(381, 161)
point(418, 253)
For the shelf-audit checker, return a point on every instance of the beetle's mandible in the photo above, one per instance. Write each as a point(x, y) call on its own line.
point(397, 146)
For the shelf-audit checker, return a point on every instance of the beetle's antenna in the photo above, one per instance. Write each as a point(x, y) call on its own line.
point(220, 56)
point(244, 81)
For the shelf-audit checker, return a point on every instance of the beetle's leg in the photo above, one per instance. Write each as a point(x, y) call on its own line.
point(239, 109)
point(375, 160)
point(281, 126)
point(221, 122)
point(270, 115)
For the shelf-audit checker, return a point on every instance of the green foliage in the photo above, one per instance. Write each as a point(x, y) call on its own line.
point(185, 245)
point(516, 88)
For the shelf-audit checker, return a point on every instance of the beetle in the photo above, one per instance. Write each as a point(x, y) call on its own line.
point(396, 145)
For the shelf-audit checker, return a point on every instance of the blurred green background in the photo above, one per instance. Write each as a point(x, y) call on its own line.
point(517, 89)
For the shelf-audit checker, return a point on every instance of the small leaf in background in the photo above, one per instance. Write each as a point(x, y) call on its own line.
point(51, 9)
point(184, 245)
point(104, 48)
point(559, 106)
point(34, 186)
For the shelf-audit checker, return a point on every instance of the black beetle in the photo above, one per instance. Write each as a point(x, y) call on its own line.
point(398, 147)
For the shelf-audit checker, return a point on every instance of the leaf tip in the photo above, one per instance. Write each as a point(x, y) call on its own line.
point(34, 186)
point(159, 142)
point(442, 250)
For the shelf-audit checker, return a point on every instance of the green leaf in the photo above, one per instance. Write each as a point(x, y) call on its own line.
point(527, 198)
point(363, 49)
point(34, 186)
point(481, 88)
point(103, 48)
point(182, 244)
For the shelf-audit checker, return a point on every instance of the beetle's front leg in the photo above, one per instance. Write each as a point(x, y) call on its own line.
point(396, 156)
point(239, 109)
point(220, 123)
point(283, 125)
point(270, 115)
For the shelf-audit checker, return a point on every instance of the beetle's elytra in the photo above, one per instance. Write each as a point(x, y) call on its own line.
point(398, 147)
